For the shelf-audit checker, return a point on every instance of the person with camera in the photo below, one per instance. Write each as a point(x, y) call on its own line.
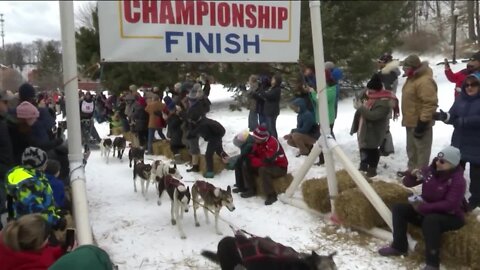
point(438, 209)
point(460, 76)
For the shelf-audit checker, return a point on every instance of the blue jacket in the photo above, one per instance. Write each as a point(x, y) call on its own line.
point(465, 117)
point(58, 189)
point(305, 119)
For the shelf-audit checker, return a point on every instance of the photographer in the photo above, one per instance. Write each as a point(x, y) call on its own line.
point(440, 208)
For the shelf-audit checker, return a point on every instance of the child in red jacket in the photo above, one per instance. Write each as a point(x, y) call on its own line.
point(24, 245)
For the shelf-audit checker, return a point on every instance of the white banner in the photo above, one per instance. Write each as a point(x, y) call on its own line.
point(199, 31)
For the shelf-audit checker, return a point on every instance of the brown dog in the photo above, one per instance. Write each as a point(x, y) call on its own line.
point(213, 199)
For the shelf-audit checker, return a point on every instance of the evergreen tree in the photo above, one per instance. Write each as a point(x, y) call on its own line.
point(50, 67)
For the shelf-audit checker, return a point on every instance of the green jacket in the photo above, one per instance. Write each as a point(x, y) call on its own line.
point(331, 98)
point(86, 257)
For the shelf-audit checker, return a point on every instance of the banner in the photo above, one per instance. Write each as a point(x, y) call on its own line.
point(199, 31)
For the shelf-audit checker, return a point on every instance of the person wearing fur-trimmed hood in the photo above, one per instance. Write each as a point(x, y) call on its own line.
point(389, 70)
point(370, 121)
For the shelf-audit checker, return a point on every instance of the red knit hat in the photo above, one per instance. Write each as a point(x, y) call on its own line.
point(261, 133)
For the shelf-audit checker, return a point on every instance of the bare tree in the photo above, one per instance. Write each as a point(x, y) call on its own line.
point(477, 19)
point(471, 20)
point(83, 16)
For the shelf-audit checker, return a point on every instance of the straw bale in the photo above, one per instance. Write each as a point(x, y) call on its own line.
point(279, 184)
point(458, 247)
point(185, 155)
point(117, 131)
point(165, 149)
point(218, 164)
point(157, 148)
point(353, 208)
point(129, 136)
point(315, 191)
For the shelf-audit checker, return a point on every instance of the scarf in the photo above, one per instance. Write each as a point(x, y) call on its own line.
point(373, 96)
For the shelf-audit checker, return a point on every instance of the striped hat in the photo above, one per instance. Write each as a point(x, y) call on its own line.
point(261, 133)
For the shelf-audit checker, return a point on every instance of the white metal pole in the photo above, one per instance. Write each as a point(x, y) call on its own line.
point(75, 156)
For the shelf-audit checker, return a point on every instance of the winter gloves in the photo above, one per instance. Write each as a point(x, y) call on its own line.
point(440, 116)
point(420, 129)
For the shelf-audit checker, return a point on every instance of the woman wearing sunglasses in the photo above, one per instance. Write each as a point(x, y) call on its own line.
point(438, 209)
point(464, 115)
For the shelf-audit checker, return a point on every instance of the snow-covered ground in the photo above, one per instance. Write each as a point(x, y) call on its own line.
point(138, 234)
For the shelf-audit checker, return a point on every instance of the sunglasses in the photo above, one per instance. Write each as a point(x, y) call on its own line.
point(441, 160)
point(472, 84)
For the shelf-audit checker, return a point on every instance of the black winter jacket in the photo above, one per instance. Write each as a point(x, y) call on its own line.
point(208, 129)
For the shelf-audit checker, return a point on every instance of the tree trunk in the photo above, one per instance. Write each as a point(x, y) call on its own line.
point(439, 20)
point(477, 16)
point(471, 20)
point(415, 16)
point(452, 8)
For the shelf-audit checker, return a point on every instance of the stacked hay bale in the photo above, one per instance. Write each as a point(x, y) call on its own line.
point(315, 191)
point(129, 136)
point(279, 184)
point(354, 209)
point(458, 247)
point(218, 164)
point(117, 131)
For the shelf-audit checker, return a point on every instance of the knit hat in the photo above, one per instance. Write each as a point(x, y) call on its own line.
point(26, 92)
point(53, 167)
point(240, 138)
point(450, 154)
point(475, 56)
point(375, 82)
point(34, 157)
point(329, 65)
point(26, 110)
point(412, 61)
point(261, 133)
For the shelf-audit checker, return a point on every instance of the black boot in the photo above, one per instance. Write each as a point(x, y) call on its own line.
point(372, 172)
point(271, 199)
point(195, 168)
point(363, 167)
point(321, 160)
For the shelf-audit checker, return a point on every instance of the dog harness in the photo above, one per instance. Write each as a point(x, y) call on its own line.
point(205, 187)
point(171, 181)
point(256, 248)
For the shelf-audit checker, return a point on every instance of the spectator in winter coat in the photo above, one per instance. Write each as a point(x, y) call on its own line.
point(174, 126)
point(268, 160)
point(154, 109)
point(212, 132)
point(84, 257)
point(245, 142)
point(252, 95)
point(42, 128)
point(336, 75)
point(309, 95)
point(6, 153)
point(29, 189)
point(464, 115)
point(140, 122)
point(271, 109)
point(22, 131)
point(438, 209)
point(370, 120)
point(388, 69)
point(307, 131)
point(24, 245)
point(52, 172)
point(457, 77)
point(198, 107)
point(419, 102)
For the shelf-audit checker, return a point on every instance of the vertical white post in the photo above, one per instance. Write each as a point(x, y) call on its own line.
point(77, 170)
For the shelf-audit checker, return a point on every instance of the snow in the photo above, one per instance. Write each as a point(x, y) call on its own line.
point(138, 235)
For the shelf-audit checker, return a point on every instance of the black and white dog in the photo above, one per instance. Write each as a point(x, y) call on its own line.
point(262, 253)
point(142, 171)
point(106, 147)
point(119, 144)
point(161, 169)
point(179, 197)
point(136, 154)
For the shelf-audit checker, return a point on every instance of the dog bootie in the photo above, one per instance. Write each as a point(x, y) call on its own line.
point(271, 199)
point(209, 175)
point(195, 168)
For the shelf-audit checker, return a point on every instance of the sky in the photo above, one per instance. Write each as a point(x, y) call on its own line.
point(26, 21)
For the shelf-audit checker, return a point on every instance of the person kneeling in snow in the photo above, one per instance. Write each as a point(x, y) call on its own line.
point(268, 160)
point(440, 208)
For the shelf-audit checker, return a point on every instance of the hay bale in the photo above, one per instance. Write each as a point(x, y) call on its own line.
point(353, 208)
point(129, 136)
point(218, 164)
point(157, 148)
point(165, 149)
point(458, 247)
point(315, 191)
point(117, 131)
point(279, 184)
point(185, 155)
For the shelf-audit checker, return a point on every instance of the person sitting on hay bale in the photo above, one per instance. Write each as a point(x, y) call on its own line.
point(440, 208)
point(268, 159)
point(245, 142)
